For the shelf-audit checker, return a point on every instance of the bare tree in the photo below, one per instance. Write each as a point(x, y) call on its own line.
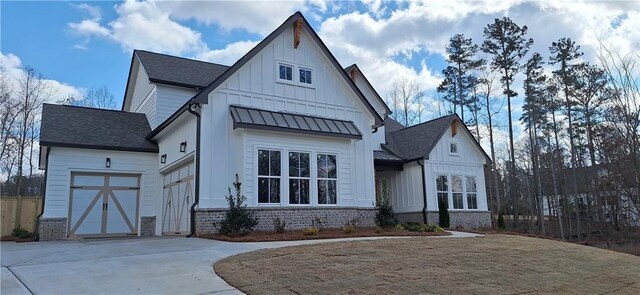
point(99, 98)
point(406, 102)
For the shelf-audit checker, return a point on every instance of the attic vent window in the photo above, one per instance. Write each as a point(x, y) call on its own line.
point(453, 148)
point(286, 72)
point(305, 76)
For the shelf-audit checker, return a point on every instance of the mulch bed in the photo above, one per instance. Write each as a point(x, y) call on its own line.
point(16, 239)
point(295, 235)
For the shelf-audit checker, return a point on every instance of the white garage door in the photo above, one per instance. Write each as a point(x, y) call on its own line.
point(177, 200)
point(104, 204)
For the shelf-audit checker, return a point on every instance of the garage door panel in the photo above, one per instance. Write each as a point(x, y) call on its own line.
point(123, 181)
point(121, 213)
point(88, 180)
point(86, 219)
point(177, 199)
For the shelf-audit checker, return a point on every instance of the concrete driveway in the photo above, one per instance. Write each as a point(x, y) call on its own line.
point(159, 265)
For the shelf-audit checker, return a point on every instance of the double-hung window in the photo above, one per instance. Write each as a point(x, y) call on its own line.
point(457, 191)
point(299, 177)
point(268, 176)
point(472, 193)
point(327, 179)
point(442, 187)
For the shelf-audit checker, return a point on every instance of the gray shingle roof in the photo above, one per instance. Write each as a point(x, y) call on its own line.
point(416, 141)
point(81, 127)
point(180, 71)
point(386, 156)
point(245, 117)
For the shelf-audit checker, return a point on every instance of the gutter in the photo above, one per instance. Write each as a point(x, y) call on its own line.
point(424, 192)
point(196, 199)
point(44, 196)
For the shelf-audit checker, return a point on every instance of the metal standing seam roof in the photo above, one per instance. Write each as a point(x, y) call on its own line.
point(246, 117)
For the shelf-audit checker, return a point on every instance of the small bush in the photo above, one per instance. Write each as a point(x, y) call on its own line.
point(238, 220)
point(310, 231)
point(399, 227)
point(279, 225)
point(348, 229)
point(501, 224)
point(443, 212)
point(379, 230)
point(385, 217)
point(417, 227)
point(20, 233)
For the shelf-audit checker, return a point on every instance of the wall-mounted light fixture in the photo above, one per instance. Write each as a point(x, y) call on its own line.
point(108, 163)
point(163, 158)
point(183, 146)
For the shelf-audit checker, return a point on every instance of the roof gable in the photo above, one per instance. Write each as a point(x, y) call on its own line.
point(202, 97)
point(82, 127)
point(356, 74)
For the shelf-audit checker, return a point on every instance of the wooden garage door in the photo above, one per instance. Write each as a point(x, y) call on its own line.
point(177, 200)
point(104, 204)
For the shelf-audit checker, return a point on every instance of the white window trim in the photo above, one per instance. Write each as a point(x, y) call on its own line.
point(295, 75)
point(258, 176)
point(293, 72)
point(317, 196)
point(310, 178)
point(464, 190)
point(457, 153)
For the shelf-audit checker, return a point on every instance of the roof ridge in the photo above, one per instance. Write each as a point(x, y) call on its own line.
point(180, 57)
point(90, 108)
point(423, 123)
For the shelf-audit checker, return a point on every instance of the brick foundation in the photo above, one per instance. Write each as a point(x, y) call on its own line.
point(295, 217)
point(52, 229)
point(147, 226)
point(457, 219)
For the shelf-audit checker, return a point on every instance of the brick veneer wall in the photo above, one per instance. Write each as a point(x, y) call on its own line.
point(295, 217)
point(457, 219)
point(52, 229)
point(147, 226)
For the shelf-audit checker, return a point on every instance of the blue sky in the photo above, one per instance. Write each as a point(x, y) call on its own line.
point(87, 44)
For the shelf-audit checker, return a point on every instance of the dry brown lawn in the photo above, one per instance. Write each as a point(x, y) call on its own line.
point(495, 264)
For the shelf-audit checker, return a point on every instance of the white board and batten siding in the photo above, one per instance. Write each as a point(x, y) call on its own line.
point(469, 161)
point(183, 129)
point(64, 161)
point(404, 187)
point(254, 85)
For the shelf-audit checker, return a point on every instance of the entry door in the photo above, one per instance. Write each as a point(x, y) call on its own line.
point(177, 200)
point(103, 204)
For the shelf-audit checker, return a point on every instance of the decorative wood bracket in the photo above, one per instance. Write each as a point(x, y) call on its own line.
point(353, 73)
point(297, 27)
point(454, 128)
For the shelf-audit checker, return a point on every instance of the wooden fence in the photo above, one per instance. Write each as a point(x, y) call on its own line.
point(30, 209)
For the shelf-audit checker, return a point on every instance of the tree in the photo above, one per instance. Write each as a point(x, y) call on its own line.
point(505, 41)
point(459, 75)
point(564, 53)
point(534, 115)
point(99, 98)
point(406, 102)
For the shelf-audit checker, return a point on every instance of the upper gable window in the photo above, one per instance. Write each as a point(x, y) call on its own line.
point(453, 148)
point(285, 72)
point(306, 76)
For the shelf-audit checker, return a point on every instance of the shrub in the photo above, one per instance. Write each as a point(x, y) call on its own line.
point(379, 230)
point(279, 225)
point(348, 229)
point(385, 217)
point(417, 227)
point(501, 224)
point(310, 231)
point(443, 212)
point(20, 233)
point(399, 227)
point(238, 220)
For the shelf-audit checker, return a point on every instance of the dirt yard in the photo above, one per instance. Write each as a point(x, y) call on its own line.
point(495, 264)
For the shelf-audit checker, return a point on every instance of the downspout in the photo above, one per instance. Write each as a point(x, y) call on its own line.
point(424, 192)
point(44, 196)
point(196, 199)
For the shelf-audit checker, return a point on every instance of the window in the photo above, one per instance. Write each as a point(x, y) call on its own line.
point(285, 72)
point(299, 176)
point(472, 193)
point(442, 187)
point(305, 76)
point(327, 179)
point(456, 190)
point(453, 148)
point(268, 176)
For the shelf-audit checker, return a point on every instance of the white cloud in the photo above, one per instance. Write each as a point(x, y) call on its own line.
point(260, 17)
point(12, 66)
point(228, 55)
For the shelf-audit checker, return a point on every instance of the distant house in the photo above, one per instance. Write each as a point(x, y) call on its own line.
point(307, 138)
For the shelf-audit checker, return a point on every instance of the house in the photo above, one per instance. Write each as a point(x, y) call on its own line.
point(303, 134)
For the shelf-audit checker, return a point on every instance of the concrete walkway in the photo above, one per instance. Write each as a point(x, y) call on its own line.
point(159, 265)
